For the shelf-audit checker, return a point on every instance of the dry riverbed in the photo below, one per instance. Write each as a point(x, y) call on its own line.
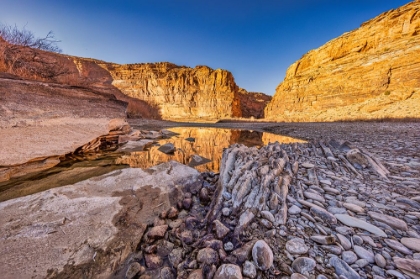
point(344, 204)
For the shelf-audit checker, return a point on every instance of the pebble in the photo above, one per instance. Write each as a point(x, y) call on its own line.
point(133, 270)
point(357, 240)
point(333, 249)
point(336, 210)
point(377, 270)
point(249, 270)
point(228, 271)
point(313, 196)
point(343, 269)
point(364, 254)
point(412, 243)
point(368, 240)
point(331, 190)
point(410, 267)
point(355, 222)
point(220, 229)
point(380, 260)
point(153, 261)
point(395, 274)
point(326, 182)
point(389, 220)
point(307, 165)
point(196, 274)
point(297, 246)
point(268, 216)
point(226, 211)
point(304, 265)
point(262, 255)
point(323, 239)
point(294, 210)
point(172, 213)
point(323, 214)
point(394, 244)
point(228, 246)
point(344, 230)
point(362, 263)
point(208, 256)
point(353, 207)
point(157, 232)
point(349, 257)
point(298, 276)
point(344, 241)
point(166, 273)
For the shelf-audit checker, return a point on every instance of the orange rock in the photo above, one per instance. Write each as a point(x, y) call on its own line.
point(369, 73)
point(180, 93)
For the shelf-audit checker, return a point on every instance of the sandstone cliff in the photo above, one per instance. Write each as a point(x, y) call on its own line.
point(152, 90)
point(83, 79)
point(181, 93)
point(253, 103)
point(372, 72)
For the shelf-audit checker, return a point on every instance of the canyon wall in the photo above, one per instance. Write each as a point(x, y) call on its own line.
point(151, 90)
point(180, 93)
point(253, 103)
point(372, 72)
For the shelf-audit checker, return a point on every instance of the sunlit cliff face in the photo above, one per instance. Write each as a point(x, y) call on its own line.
point(208, 143)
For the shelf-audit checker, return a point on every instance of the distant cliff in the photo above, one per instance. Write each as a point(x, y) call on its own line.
point(372, 72)
point(253, 103)
point(181, 93)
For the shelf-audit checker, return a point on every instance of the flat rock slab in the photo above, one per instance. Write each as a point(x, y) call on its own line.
point(412, 243)
point(51, 137)
point(389, 220)
point(354, 222)
point(81, 224)
point(136, 145)
point(409, 267)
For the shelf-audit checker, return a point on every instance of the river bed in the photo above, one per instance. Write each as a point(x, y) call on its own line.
point(205, 142)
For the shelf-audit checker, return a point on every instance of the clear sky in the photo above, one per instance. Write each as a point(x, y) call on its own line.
point(255, 40)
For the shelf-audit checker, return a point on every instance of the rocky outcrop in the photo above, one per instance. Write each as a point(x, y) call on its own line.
point(369, 73)
point(181, 93)
point(151, 90)
point(253, 103)
point(87, 229)
point(83, 79)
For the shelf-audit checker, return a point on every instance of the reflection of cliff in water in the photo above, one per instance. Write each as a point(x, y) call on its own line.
point(209, 143)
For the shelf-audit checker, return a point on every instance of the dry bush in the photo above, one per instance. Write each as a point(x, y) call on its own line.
point(23, 37)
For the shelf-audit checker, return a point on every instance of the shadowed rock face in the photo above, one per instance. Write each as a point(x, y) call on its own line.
point(371, 72)
point(253, 103)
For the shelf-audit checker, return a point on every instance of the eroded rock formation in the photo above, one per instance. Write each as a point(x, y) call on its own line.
point(151, 89)
point(183, 93)
point(369, 73)
point(102, 223)
point(253, 103)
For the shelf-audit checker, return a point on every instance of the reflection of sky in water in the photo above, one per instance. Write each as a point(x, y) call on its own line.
point(209, 143)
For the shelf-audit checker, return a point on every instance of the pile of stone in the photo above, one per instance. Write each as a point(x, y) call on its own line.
point(316, 210)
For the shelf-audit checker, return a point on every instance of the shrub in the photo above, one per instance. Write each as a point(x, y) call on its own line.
point(24, 37)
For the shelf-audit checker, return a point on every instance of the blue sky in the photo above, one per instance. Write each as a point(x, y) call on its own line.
point(255, 40)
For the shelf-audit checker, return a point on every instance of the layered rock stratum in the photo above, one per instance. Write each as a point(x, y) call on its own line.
point(179, 92)
point(372, 72)
point(253, 103)
point(152, 90)
point(65, 97)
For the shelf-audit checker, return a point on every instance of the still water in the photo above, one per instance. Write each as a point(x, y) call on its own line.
point(205, 142)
